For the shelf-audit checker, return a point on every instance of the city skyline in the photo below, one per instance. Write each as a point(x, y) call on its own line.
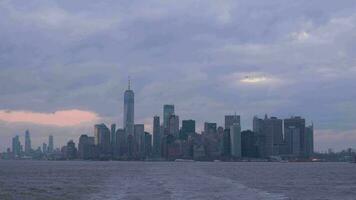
point(63, 67)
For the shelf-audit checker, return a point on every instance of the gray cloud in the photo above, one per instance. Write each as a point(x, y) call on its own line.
point(63, 55)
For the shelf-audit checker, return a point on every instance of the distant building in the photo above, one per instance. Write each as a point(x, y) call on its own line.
point(168, 110)
point(44, 148)
point(210, 128)
point(249, 147)
point(129, 106)
point(294, 130)
point(231, 120)
point(139, 137)
point(86, 147)
point(173, 125)
point(269, 135)
point(50, 144)
point(226, 144)
point(28, 147)
point(188, 128)
point(16, 146)
point(309, 140)
point(71, 150)
point(102, 138)
point(293, 140)
point(113, 136)
point(157, 137)
point(148, 144)
point(235, 138)
point(121, 143)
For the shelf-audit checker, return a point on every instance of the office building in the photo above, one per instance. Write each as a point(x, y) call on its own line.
point(294, 130)
point(129, 106)
point(102, 138)
point(309, 140)
point(156, 136)
point(50, 144)
point(86, 147)
point(28, 147)
point(231, 119)
point(235, 138)
point(188, 128)
point(210, 128)
point(173, 125)
point(168, 110)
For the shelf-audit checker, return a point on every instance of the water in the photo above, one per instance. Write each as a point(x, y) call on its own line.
point(36, 180)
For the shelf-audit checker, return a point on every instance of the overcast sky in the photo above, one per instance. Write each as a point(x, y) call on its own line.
point(64, 64)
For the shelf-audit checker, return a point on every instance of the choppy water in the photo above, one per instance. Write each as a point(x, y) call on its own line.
point(36, 180)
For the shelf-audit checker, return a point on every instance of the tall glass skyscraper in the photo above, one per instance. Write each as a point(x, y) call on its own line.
point(129, 99)
point(27, 143)
point(168, 110)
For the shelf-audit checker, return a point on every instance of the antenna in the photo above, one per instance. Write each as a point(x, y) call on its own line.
point(129, 86)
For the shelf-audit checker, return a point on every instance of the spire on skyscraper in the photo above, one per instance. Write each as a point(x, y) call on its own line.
point(129, 85)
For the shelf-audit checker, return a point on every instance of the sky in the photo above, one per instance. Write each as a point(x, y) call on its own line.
point(64, 65)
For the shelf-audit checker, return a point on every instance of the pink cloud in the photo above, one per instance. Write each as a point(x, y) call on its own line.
point(59, 118)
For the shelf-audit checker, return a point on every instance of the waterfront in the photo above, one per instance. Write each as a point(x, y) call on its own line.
point(171, 180)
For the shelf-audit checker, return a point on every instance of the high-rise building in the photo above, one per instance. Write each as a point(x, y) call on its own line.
point(293, 140)
point(231, 119)
point(71, 150)
point(235, 138)
point(121, 143)
point(156, 136)
point(86, 147)
point(102, 138)
point(50, 144)
point(173, 125)
point(44, 148)
point(309, 140)
point(139, 135)
point(28, 148)
point(16, 146)
point(113, 135)
point(248, 144)
point(269, 135)
point(129, 105)
point(168, 110)
point(273, 132)
point(210, 128)
point(188, 128)
point(148, 144)
point(294, 130)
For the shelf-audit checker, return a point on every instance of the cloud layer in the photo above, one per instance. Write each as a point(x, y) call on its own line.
point(209, 58)
point(59, 118)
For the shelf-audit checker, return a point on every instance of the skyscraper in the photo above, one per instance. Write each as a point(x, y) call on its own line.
point(102, 138)
point(168, 110)
point(235, 135)
point(188, 128)
point(86, 147)
point(50, 144)
point(27, 143)
point(273, 132)
point(309, 140)
point(269, 135)
point(210, 128)
point(156, 136)
point(230, 120)
point(138, 139)
point(294, 130)
point(173, 125)
point(129, 101)
point(16, 146)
